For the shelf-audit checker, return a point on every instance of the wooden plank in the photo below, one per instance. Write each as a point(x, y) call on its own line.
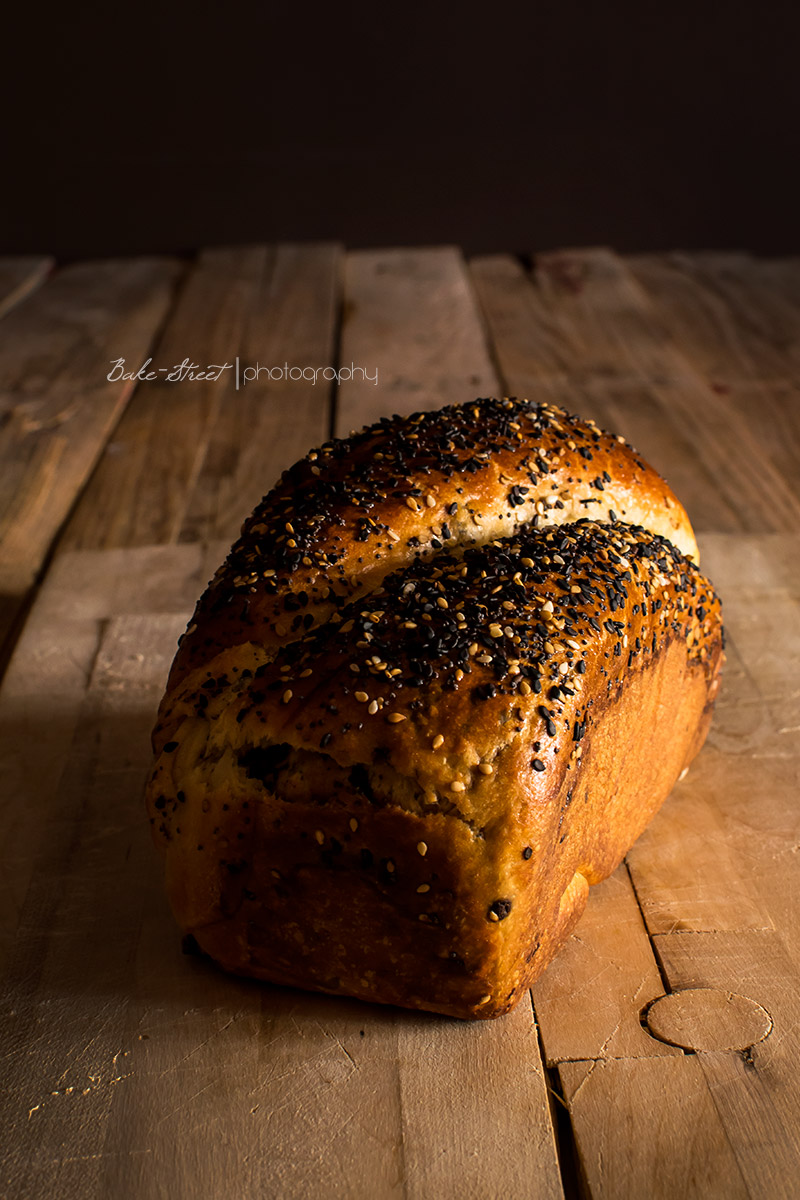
point(741, 330)
point(134, 1070)
point(755, 1091)
point(649, 1127)
point(582, 332)
point(589, 1002)
point(272, 423)
point(762, 294)
point(729, 313)
point(56, 406)
point(483, 1130)
point(39, 708)
point(46, 681)
point(410, 316)
point(19, 276)
point(191, 458)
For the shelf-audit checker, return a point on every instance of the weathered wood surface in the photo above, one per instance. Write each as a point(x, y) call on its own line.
point(410, 316)
point(19, 277)
point(132, 1070)
point(190, 458)
point(57, 408)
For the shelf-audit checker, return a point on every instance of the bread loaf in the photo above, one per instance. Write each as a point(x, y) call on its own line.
point(427, 702)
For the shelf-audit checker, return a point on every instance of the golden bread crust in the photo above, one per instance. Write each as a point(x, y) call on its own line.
point(408, 803)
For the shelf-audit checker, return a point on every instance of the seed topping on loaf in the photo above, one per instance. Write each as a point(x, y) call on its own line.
point(392, 456)
point(514, 618)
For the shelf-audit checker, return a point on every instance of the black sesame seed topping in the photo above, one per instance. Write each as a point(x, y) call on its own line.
point(498, 910)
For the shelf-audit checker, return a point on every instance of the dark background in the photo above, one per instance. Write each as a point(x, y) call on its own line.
point(501, 127)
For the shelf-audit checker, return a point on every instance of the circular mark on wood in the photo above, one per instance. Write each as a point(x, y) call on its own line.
point(707, 1019)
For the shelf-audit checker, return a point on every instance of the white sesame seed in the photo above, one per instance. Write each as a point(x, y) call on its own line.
point(412, 504)
point(422, 848)
point(564, 668)
point(373, 708)
point(287, 695)
point(438, 741)
point(393, 718)
point(353, 824)
point(458, 786)
point(429, 500)
point(424, 887)
point(525, 688)
point(319, 835)
point(280, 630)
point(305, 674)
point(362, 697)
point(486, 768)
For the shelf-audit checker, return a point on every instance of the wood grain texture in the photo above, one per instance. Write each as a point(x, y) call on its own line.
point(649, 1127)
point(56, 406)
point(190, 459)
point(589, 1002)
point(582, 331)
point(708, 1019)
point(411, 316)
point(738, 320)
point(755, 1091)
point(19, 276)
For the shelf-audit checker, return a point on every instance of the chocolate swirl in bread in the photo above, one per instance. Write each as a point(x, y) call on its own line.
point(408, 802)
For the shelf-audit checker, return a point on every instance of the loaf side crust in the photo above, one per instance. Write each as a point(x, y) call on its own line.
point(422, 830)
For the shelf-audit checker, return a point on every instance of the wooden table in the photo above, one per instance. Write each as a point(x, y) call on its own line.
point(132, 1070)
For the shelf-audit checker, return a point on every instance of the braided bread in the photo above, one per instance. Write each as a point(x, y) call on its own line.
point(427, 702)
